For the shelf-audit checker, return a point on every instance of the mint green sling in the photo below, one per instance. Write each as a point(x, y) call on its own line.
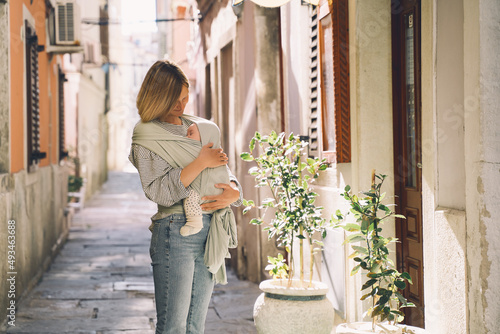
point(180, 151)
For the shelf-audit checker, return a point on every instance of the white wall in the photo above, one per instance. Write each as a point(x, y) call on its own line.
point(482, 166)
point(443, 171)
point(371, 115)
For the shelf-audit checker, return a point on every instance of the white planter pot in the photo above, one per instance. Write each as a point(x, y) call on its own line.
point(297, 309)
point(366, 327)
point(412, 329)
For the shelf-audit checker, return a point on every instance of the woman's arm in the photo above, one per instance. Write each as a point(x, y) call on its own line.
point(208, 158)
point(160, 181)
point(232, 195)
point(229, 195)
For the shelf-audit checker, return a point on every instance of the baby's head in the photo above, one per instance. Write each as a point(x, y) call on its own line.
point(193, 132)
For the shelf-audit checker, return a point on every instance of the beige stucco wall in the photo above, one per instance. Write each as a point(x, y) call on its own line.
point(482, 149)
point(250, 237)
point(36, 203)
point(443, 171)
point(371, 115)
point(92, 134)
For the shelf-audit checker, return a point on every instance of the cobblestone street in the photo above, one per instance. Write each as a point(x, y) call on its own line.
point(101, 281)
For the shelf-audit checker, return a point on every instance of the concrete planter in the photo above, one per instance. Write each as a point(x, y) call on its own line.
point(412, 330)
point(366, 328)
point(293, 310)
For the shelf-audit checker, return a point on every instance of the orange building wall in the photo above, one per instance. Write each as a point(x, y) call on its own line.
point(47, 80)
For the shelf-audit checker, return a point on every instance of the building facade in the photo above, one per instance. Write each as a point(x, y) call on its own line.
point(131, 54)
point(403, 87)
point(40, 124)
point(87, 94)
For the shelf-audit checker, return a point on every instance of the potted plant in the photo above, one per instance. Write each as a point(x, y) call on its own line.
point(76, 184)
point(283, 168)
point(371, 253)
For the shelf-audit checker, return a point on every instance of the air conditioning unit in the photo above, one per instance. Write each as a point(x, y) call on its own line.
point(67, 22)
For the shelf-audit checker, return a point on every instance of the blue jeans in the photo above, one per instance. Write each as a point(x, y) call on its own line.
point(183, 284)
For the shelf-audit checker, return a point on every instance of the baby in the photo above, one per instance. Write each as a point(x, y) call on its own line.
point(194, 215)
point(192, 209)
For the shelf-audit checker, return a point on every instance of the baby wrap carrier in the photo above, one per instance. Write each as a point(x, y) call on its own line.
point(180, 151)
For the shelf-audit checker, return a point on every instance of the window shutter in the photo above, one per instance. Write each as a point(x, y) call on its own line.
point(341, 80)
point(62, 152)
point(33, 96)
point(314, 126)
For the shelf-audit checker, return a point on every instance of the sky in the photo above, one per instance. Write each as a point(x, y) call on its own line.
point(134, 11)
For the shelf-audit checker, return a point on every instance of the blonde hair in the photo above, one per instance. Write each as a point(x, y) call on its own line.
point(160, 90)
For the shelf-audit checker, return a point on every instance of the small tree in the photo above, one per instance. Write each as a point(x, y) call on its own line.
point(371, 252)
point(283, 167)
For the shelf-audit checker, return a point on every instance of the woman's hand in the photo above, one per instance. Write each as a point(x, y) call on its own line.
point(229, 195)
point(212, 157)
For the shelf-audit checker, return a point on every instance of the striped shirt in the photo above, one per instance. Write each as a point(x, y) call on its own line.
point(160, 181)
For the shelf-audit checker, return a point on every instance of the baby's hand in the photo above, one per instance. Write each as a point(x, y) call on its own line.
point(212, 157)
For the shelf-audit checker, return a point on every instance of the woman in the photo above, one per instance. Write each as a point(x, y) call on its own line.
point(183, 284)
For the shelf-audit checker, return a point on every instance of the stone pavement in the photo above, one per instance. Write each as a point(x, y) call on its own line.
point(101, 282)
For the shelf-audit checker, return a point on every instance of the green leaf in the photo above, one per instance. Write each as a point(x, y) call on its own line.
point(364, 225)
point(351, 227)
point(359, 249)
point(366, 296)
point(400, 284)
point(383, 207)
point(374, 275)
point(399, 216)
point(379, 243)
point(407, 276)
point(383, 300)
point(369, 283)
point(354, 237)
point(254, 171)
point(347, 188)
point(252, 144)
point(256, 221)
point(246, 156)
point(355, 270)
point(400, 297)
point(245, 210)
point(246, 202)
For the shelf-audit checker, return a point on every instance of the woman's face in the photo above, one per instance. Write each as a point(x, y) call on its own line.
point(181, 103)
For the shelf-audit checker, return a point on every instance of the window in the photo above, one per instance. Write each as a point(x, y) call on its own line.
point(334, 75)
point(33, 97)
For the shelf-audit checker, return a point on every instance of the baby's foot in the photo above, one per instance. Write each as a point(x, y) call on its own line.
point(187, 230)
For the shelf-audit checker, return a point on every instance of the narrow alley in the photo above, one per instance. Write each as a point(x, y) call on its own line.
point(101, 281)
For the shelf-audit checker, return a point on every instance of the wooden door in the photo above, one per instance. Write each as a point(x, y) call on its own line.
point(407, 150)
